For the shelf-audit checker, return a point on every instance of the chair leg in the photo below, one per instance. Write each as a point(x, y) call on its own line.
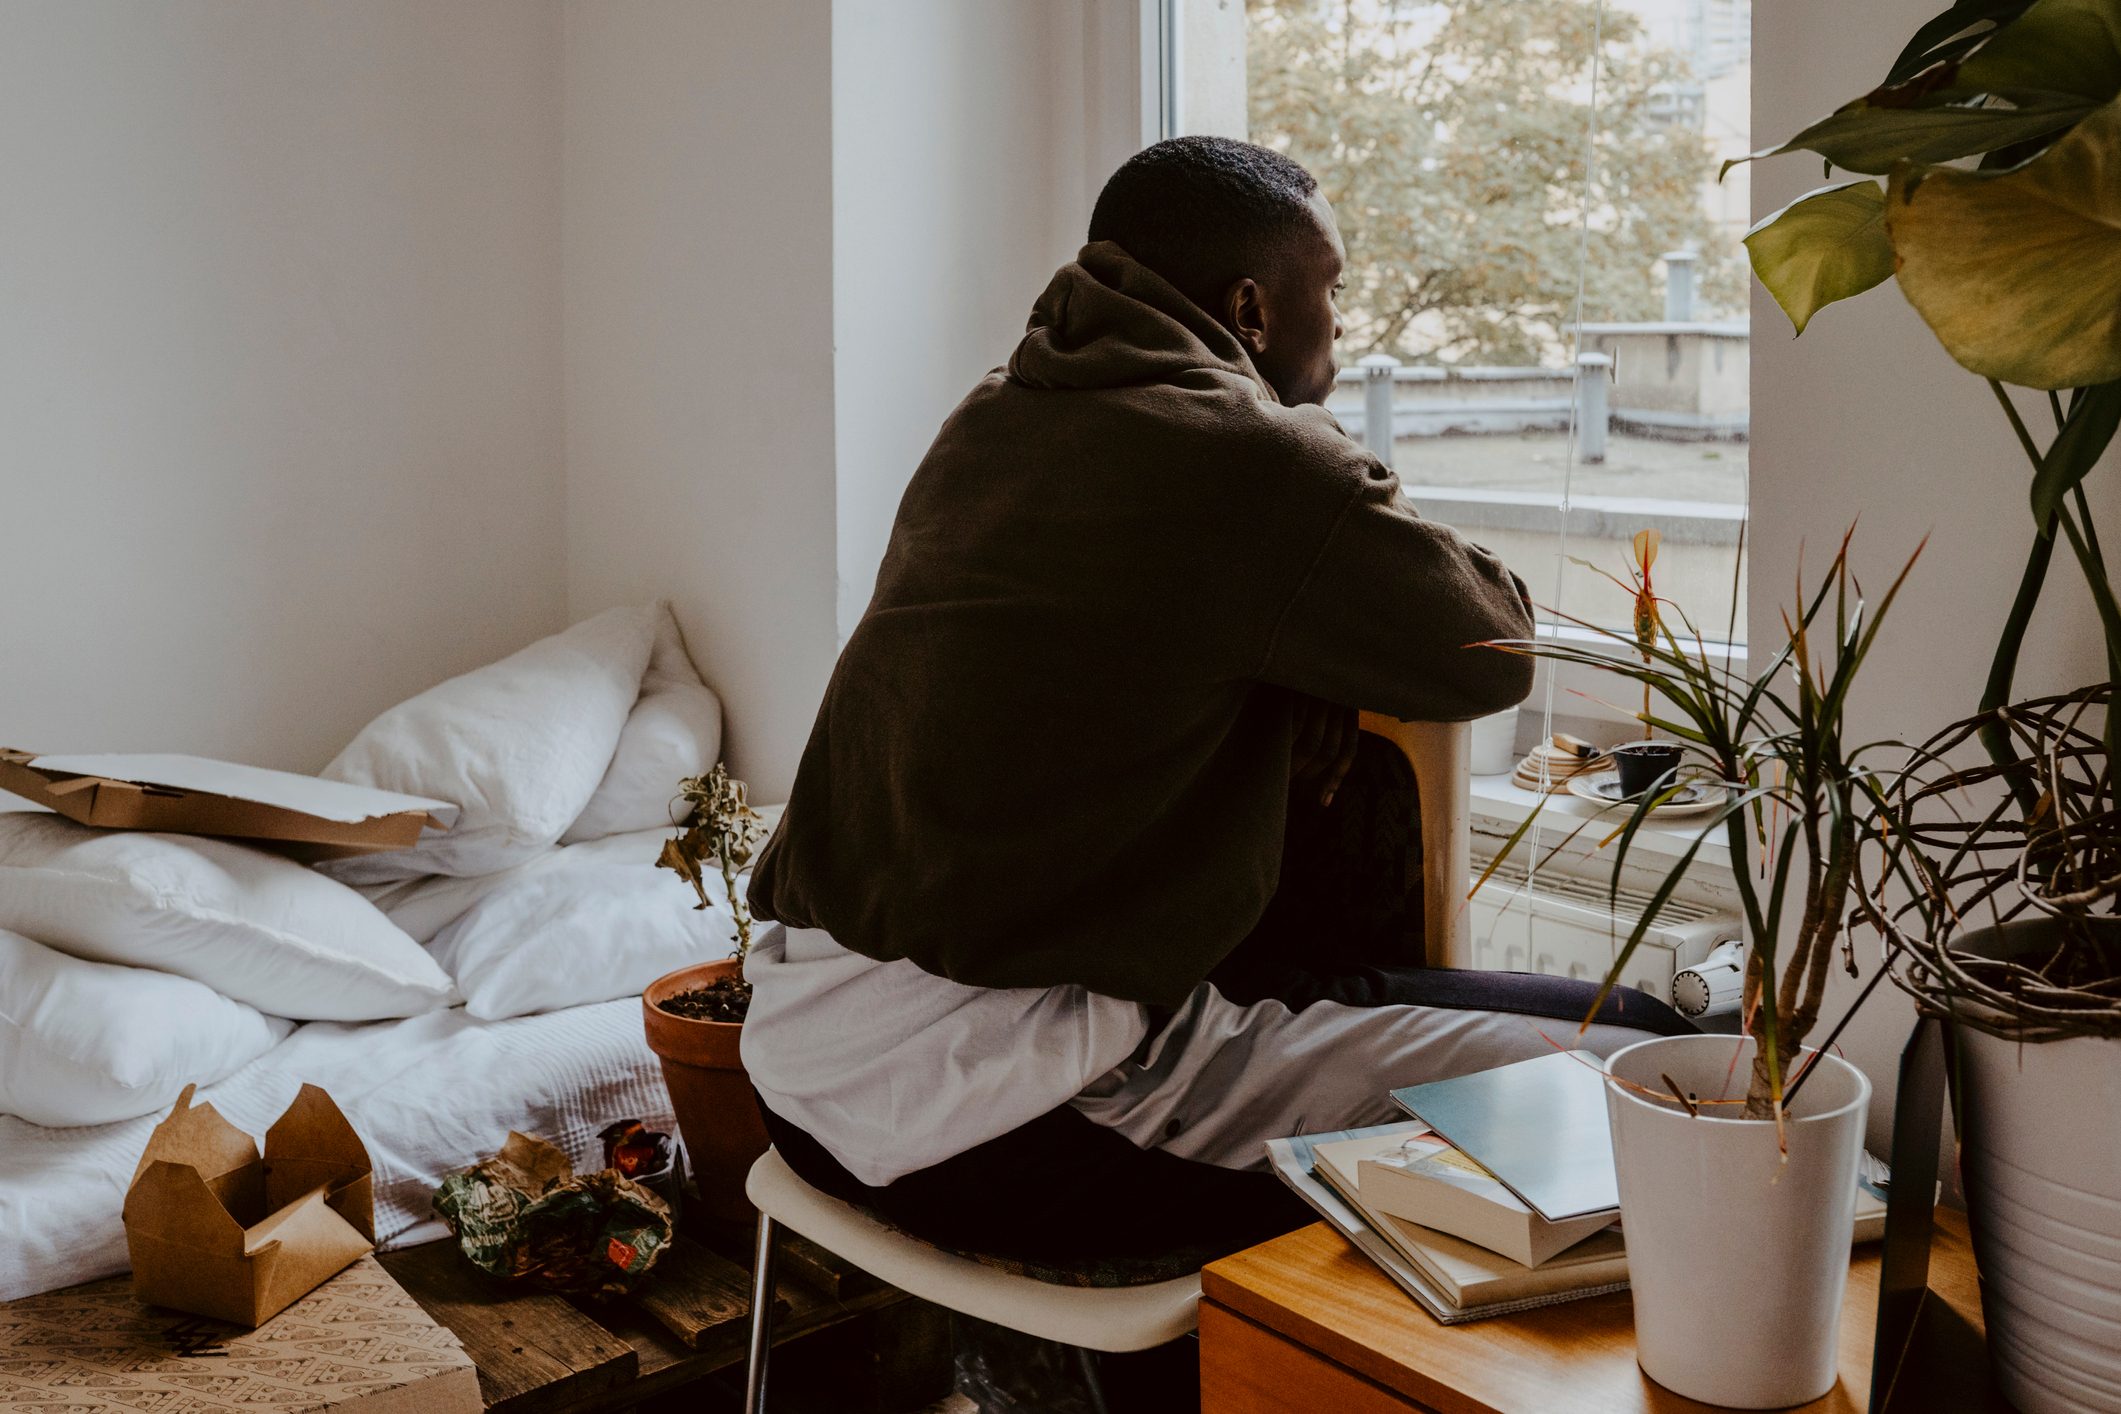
point(762, 1299)
point(1092, 1384)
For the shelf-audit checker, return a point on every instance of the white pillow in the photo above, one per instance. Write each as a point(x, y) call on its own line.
point(518, 746)
point(675, 730)
point(89, 1043)
point(250, 925)
point(424, 907)
point(584, 932)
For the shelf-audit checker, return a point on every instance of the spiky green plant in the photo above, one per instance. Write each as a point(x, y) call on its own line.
point(1799, 798)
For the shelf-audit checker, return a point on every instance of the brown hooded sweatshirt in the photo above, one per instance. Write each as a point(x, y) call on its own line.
point(1056, 749)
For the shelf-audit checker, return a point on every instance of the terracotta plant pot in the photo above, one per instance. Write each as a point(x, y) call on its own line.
point(717, 1112)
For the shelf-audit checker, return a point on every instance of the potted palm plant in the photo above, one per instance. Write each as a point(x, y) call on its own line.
point(694, 1016)
point(1997, 133)
point(1741, 1154)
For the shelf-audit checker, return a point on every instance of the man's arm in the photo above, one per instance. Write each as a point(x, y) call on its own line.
point(1390, 617)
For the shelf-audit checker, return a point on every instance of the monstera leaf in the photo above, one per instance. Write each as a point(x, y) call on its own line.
point(2062, 46)
point(1967, 85)
point(1879, 129)
point(1953, 34)
point(2018, 272)
point(1826, 245)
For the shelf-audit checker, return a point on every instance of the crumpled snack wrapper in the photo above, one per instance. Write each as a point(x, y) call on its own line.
point(525, 1215)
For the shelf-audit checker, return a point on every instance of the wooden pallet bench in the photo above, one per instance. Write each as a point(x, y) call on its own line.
point(540, 1353)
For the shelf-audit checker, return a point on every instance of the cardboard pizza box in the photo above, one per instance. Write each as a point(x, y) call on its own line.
point(192, 795)
point(358, 1344)
point(217, 1229)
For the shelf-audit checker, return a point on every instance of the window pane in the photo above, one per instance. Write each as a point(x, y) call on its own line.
point(1452, 138)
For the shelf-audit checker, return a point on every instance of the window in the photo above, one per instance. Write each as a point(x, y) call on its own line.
point(1539, 244)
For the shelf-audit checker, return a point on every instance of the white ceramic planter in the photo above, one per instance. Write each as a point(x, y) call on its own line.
point(2041, 1160)
point(1494, 749)
point(1738, 1261)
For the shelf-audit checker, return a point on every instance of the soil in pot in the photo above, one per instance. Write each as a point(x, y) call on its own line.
point(724, 999)
point(704, 1072)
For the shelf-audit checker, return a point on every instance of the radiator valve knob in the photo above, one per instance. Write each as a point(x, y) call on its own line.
point(1713, 986)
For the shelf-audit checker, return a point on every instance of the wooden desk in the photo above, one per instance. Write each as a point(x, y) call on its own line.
point(1307, 1322)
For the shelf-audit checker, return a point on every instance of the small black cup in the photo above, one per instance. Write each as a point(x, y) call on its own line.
point(1645, 765)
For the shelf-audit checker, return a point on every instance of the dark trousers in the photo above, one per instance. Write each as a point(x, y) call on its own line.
point(1345, 926)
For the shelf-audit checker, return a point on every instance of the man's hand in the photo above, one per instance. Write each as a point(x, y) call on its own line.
point(1324, 746)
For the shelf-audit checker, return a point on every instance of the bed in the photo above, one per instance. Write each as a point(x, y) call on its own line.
point(502, 961)
point(427, 1094)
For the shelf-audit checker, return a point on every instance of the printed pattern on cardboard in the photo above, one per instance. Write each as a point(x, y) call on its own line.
point(95, 1347)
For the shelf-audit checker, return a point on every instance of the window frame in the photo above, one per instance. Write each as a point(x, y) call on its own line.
point(1163, 70)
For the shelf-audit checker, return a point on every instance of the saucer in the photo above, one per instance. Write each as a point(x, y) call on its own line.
point(1692, 797)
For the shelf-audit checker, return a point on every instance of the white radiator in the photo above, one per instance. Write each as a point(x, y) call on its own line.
point(1568, 926)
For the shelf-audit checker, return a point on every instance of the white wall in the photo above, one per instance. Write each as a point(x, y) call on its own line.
point(279, 363)
point(1867, 416)
point(350, 346)
point(957, 137)
point(698, 259)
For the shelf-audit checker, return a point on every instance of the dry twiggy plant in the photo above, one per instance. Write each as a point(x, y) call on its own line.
point(1959, 852)
point(721, 828)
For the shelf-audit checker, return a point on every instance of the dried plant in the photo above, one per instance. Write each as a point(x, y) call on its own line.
point(1961, 853)
point(721, 828)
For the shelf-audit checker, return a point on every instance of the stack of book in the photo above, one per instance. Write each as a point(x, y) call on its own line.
point(1536, 1223)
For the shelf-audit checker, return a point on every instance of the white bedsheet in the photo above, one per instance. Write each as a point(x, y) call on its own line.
point(426, 1094)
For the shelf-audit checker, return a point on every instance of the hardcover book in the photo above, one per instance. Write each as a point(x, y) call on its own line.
point(1539, 1126)
point(1418, 1178)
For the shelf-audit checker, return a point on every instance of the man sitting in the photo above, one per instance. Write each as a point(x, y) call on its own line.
point(1042, 988)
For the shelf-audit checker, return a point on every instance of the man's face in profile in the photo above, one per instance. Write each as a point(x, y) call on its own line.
point(1302, 321)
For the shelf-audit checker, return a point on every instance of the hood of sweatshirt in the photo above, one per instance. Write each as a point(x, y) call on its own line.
point(1108, 321)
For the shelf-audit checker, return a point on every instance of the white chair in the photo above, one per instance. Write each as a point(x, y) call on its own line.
point(1441, 754)
point(1110, 1319)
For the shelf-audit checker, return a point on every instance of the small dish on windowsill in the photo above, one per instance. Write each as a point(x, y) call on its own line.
point(1688, 797)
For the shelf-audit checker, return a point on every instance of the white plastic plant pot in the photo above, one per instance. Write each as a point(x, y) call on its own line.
point(2041, 1159)
point(1738, 1260)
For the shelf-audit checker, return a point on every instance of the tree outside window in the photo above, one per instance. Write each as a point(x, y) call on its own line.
point(1478, 174)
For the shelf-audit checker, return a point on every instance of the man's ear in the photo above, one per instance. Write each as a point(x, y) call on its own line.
point(1245, 314)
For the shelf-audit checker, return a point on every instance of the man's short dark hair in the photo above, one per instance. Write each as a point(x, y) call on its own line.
point(1204, 211)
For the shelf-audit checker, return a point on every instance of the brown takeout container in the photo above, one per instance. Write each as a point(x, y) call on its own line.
point(217, 1230)
point(186, 795)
